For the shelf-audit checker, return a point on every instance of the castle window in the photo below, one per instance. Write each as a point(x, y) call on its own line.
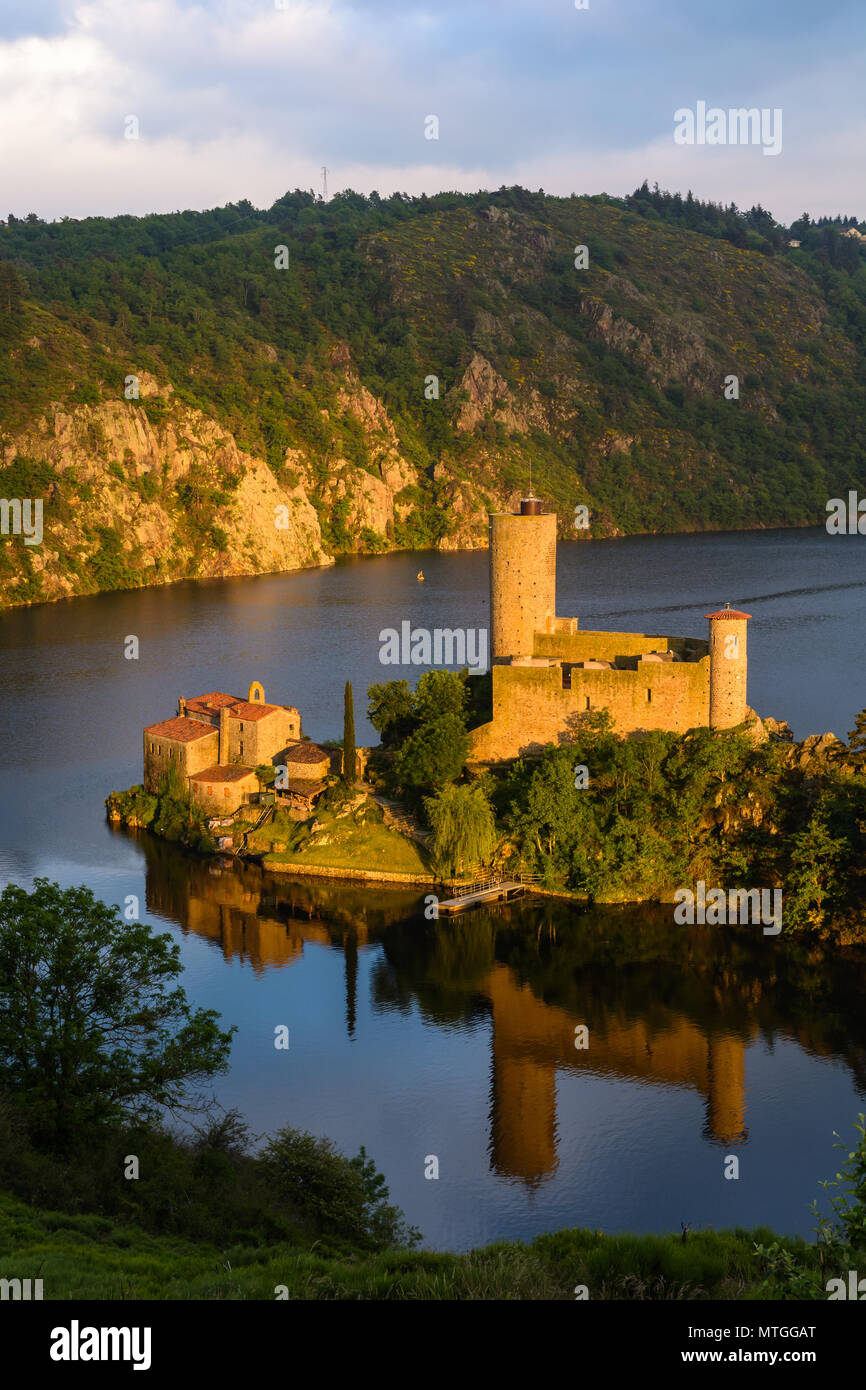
point(649, 696)
point(226, 793)
point(587, 702)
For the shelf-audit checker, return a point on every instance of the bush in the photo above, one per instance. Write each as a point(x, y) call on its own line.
point(345, 1198)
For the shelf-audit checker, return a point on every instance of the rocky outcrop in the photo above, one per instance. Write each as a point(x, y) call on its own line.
point(175, 496)
point(482, 393)
point(119, 471)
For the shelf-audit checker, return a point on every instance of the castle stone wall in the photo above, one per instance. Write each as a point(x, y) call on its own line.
point(522, 581)
point(609, 646)
point(531, 708)
point(729, 657)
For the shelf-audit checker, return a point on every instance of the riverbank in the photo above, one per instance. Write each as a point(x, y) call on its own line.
point(88, 1257)
point(351, 839)
point(741, 818)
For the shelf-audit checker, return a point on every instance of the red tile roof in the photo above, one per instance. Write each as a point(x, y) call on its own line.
point(251, 709)
point(307, 753)
point(181, 730)
point(216, 700)
point(231, 773)
point(728, 613)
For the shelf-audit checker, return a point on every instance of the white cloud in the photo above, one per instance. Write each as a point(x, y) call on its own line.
point(242, 100)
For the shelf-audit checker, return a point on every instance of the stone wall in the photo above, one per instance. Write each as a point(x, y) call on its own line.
point(610, 646)
point(162, 754)
point(532, 708)
point(220, 798)
point(254, 741)
point(522, 580)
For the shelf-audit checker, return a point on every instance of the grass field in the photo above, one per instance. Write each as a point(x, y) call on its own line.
point(88, 1257)
point(343, 841)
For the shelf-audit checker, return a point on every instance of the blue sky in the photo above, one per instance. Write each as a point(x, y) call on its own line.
point(240, 98)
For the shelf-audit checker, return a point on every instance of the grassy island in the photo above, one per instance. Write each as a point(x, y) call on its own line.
point(597, 817)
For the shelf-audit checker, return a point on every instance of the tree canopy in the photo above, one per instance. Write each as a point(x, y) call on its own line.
point(93, 1026)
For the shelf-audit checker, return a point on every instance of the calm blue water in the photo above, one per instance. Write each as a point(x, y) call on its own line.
point(415, 1038)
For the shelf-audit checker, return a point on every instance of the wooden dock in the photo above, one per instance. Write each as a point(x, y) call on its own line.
point(486, 891)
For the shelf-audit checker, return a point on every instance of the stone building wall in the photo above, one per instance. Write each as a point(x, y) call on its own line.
point(258, 740)
point(221, 797)
point(532, 708)
point(522, 580)
point(185, 757)
point(610, 646)
point(729, 657)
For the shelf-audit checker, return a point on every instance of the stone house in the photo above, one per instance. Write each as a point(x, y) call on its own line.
point(180, 744)
point(307, 762)
point(216, 741)
point(218, 790)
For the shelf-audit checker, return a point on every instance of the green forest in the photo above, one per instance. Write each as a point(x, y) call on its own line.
point(613, 379)
point(608, 819)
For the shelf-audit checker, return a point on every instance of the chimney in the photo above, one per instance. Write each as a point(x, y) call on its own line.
point(224, 737)
point(181, 707)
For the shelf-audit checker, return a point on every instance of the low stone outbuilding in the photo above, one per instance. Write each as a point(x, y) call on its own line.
point(307, 762)
point(219, 790)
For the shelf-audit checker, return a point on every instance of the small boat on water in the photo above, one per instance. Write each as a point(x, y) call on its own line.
point(420, 577)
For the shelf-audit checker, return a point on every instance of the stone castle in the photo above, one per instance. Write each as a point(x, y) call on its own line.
point(546, 673)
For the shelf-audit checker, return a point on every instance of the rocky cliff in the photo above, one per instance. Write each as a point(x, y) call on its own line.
point(183, 408)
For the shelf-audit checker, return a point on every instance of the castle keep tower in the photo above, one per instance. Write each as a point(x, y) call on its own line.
point(728, 667)
point(522, 578)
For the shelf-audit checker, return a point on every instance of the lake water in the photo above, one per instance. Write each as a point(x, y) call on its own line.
point(457, 1040)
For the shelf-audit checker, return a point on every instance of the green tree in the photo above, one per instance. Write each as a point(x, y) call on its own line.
point(92, 1025)
point(553, 817)
point(815, 876)
point(857, 739)
point(343, 1197)
point(439, 693)
point(12, 289)
point(349, 760)
point(391, 711)
point(849, 1202)
point(433, 755)
point(464, 830)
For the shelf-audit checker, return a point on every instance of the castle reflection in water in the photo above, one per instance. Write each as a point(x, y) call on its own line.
point(665, 1006)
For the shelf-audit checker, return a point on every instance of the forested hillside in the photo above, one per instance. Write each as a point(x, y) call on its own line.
point(190, 399)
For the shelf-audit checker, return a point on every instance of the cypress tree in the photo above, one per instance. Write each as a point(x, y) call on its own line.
point(349, 762)
point(857, 739)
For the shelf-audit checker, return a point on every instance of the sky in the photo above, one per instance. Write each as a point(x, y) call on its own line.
point(236, 99)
